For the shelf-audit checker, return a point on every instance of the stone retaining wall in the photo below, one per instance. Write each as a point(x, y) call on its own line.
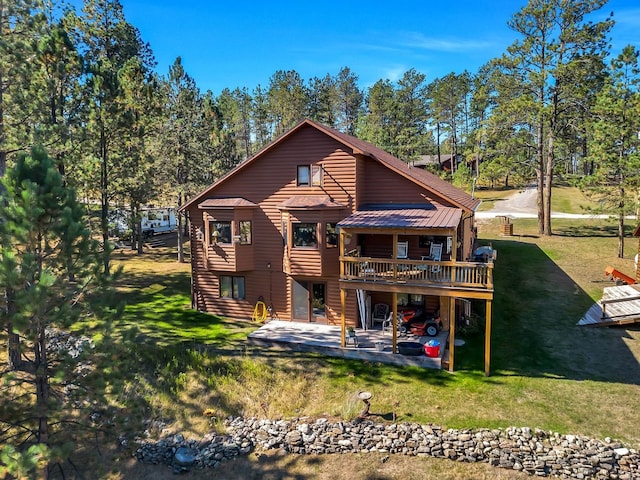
point(536, 452)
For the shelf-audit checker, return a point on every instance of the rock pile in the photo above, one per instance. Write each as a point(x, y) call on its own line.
point(536, 452)
point(60, 341)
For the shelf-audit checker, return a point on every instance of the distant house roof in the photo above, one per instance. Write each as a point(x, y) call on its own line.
point(223, 203)
point(433, 159)
point(407, 216)
point(309, 202)
point(426, 179)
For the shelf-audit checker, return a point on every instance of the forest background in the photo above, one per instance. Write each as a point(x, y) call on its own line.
point(83, 109)
point(83, 84)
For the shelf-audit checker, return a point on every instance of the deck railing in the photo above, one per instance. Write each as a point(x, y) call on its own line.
point(443, 273)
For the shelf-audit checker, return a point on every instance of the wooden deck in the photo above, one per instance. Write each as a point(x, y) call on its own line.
point(619, 305)
point(469, 275)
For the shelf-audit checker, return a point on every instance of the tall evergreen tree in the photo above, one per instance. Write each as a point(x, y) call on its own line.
point(396, 116)
point(21, 25)
point(546, 65)
point(55, 93)
point(110, 43)
point(375, 124)
point(323, 99)
point(136, 165)
point(412, 135)
point(288, 99)
point(448, 104)
point(350, 101)
point(50, 263)
point(614, 142)
point(262, 128)
point(184, 144)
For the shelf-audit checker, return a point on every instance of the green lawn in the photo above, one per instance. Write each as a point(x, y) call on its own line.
point(167, 362)
point(546, 371)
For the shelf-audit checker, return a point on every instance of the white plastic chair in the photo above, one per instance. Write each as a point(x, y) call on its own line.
point(435, 254)
point(380, 313)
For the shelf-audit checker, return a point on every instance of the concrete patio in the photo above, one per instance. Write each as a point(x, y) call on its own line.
point(374, 345)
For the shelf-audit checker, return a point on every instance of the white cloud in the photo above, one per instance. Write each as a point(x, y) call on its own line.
point(394, 73)
point(418, 40)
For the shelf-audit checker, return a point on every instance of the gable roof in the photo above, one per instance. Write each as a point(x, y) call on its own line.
point(422, 177)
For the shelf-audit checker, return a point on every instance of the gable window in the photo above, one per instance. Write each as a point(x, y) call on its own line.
point(316, 175)
point(305, 235)
point(304, 175)
point(231, 287)
point(309, 175)
point(219, 232)
point(245, 232)
point(331, 235)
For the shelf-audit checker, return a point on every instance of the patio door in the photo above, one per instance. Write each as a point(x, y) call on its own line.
point(308, 301)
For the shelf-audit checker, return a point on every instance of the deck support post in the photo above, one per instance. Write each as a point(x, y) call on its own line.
point(487, 341)
point(343, 302)
point(394, 322)
point(452, 331)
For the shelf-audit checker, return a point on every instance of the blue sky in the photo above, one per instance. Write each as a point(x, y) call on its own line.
point(242, 43)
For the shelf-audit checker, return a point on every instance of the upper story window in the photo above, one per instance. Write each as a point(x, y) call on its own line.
point(305, 235)
point(331, 235)
point(219, 232)
point(309, 176)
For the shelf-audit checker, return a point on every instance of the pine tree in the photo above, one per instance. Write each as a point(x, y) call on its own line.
point(184, 145)
point(614, 142)
point(50, 263)
point(110, 43)
point(544, 67)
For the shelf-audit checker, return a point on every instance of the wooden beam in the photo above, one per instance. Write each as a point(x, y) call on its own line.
point(343, 302)
point(381, 286)
point(452, 331)
point(394, 312)
point(487, 340)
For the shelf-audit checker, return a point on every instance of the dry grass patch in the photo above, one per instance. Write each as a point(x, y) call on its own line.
point(275, 466)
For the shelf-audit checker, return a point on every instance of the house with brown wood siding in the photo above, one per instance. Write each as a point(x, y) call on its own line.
point(320, 224)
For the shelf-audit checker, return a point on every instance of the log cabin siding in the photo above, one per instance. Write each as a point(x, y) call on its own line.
point(269, 180)
point(379, 187)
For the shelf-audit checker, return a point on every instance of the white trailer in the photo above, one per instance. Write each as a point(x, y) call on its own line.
point(158, 220)
point(154, 220)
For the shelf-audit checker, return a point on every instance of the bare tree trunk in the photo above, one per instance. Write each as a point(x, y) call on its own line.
point(621, 208)
point(139, 235)
point(621, 235)
point(104, 198)
point(548, 182)
point(540, 177)
point(15, 356)
point(180, 231)
point(42, 391)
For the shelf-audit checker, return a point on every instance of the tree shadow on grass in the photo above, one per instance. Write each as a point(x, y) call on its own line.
point(607, 229)
point(536, 308)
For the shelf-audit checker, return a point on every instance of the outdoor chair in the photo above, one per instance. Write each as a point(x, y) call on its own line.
point(435, 255)
point(367, 270)
point(380, 313)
